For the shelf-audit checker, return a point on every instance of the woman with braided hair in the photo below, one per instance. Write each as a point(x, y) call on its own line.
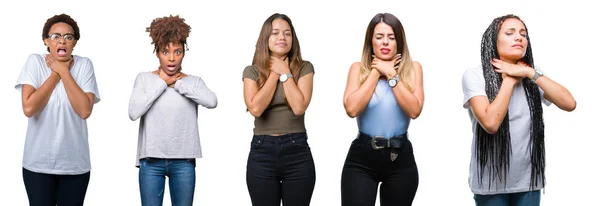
point(167, 101)
point(504, 99)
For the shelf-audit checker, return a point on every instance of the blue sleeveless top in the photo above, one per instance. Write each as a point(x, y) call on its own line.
point(383, 116)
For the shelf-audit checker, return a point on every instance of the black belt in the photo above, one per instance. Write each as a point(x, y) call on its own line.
point(380, 142)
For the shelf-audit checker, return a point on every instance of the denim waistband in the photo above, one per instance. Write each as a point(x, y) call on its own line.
point(288, 136)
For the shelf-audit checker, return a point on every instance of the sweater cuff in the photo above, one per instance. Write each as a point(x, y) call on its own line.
point(178, 85)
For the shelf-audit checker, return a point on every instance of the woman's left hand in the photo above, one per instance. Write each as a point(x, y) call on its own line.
point(515, 70)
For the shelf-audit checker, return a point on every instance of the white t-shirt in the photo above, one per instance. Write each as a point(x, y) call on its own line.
point(519, 173)
point(57, 138)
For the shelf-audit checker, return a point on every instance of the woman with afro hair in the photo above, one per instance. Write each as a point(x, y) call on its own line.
point(167, 100)
point(58, 91)
point(504, 99)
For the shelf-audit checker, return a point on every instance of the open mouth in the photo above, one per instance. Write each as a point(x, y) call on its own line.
point(61, 52)
point(172, 67)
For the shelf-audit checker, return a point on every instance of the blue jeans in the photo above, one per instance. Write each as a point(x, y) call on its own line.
point(182, 181)
point(531, 198)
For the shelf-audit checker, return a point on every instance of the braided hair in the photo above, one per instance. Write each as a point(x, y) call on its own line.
point(493, 150)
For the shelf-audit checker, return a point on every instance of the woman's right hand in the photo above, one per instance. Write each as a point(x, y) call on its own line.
point(387, 68)
point(510, 79)
point(59, 67)
point(280, 66)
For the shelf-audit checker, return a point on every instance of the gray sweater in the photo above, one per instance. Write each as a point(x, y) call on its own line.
point(169, 116)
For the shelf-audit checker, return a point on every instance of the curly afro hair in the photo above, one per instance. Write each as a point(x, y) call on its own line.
point(171, 29)
point(57, 19)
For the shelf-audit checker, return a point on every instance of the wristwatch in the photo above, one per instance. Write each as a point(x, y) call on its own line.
point(284, 77)
point(538, 73)
point(394, 80)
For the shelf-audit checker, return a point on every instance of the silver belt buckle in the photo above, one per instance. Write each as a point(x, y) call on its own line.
point(374, 142)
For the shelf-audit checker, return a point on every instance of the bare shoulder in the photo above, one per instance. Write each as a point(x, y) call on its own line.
point(417, 66)
point(355, 66)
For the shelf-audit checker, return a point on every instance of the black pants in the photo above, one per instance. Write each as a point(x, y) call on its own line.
point(50, 190)
point(366, 167)
point(280, 168)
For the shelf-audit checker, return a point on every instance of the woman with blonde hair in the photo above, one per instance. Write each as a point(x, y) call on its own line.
point(384, 91)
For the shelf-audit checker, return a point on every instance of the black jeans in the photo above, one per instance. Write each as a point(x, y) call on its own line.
point(280, 168)
point(50, 190)
point(365, 167)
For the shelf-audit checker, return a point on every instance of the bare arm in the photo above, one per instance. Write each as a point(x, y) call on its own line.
point(257, 99)
point(411, 102)
point(356, 96)
point(197, 91)
point(490, 115)
point(34, 101)
point(81, 102)
point(298, 96)
point(556, 93)
point(553, 91)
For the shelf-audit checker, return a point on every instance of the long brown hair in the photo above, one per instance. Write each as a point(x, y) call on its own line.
point(405, 69)
point(262, 54)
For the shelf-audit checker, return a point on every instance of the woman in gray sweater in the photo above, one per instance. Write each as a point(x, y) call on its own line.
point(167, 101)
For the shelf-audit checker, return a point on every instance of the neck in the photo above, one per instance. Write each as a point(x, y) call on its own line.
point(280, 56)
point(512, 61)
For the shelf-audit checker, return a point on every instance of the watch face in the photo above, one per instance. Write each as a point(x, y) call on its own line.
point(392, 82)
point(283, 77)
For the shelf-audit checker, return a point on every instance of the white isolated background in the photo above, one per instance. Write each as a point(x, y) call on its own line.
point(443, 35)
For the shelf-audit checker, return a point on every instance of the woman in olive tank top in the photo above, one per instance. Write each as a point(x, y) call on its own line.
point(277, 91)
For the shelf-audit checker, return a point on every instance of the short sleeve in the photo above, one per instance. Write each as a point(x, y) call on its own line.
point(307, 68)
point(250, 73)
point(89, 81)
point(473, 85)
point(29, 73)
